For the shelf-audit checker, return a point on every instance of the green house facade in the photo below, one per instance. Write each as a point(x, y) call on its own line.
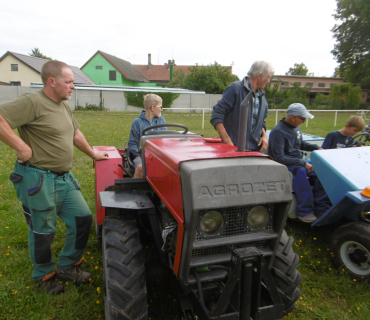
point(105, 69)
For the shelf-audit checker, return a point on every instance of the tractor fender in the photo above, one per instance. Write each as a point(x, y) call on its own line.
point(125, 200)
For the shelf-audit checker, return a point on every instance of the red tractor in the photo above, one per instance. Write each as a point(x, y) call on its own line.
point(216, 214)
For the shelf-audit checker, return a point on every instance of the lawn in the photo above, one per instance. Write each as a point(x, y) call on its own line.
point(326, 293)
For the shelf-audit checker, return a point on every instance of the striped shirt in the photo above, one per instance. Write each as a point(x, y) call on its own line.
point(256, 105)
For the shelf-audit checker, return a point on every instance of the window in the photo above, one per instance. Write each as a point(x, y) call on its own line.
point(332, 85)
point(309, 84)
point(98, 67)
point(15, 83)
point(321, 85)
point(285, 83)
point(14, 67)
point(112, 75)
point(298, 83)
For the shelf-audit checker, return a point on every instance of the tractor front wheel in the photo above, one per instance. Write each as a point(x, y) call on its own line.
point(350, 246)
point(285, 273)
point(123, 270)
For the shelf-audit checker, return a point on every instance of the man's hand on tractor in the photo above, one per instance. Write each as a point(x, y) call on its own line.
point(264, 142)
point(101, 155)
point(223, 134)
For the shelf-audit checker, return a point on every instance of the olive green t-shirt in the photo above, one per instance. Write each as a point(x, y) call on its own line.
point(46, 126)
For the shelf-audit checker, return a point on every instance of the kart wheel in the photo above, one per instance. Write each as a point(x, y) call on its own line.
point(285, 274)
point(123, 270)
point(350, 245)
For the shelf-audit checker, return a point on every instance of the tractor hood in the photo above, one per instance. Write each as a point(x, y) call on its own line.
point(173, 151)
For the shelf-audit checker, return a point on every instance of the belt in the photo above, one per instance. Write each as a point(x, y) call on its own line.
point(26, 164)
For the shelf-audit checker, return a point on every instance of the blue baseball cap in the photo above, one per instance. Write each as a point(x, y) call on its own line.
point(298, 109)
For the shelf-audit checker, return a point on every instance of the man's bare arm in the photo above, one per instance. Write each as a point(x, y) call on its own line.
point(81, 143)
point(223, 134)
point(8, 136)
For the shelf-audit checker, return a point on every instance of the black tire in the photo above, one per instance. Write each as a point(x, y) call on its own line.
point(285, 273)
point(123, 270)
point(350, 246)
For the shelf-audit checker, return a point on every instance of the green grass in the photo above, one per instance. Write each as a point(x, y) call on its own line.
point(326, 293)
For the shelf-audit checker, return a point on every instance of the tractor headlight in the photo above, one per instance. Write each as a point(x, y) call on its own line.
point(211, 223)
point(258, 217)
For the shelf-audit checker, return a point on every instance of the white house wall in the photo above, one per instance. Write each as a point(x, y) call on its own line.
point(25, 74)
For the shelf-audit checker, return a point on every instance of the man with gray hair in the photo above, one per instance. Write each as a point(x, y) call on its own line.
point(225, 114)
point(285, 145)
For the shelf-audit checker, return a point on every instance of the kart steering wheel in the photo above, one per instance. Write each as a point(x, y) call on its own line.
point(164, 125)
point(360, 138)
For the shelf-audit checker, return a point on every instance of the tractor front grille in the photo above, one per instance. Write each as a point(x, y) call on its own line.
point(226, 249)
point(235, 223)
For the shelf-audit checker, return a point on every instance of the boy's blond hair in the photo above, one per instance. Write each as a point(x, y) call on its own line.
point(357, 122)
point(151, 99)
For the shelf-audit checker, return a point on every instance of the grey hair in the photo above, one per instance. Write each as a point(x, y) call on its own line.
point(260, 67)
point(289, 116)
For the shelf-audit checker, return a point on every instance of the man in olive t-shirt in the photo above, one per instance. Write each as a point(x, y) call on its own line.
point(44, 148)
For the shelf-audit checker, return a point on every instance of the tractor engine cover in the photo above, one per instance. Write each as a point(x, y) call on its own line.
point(193, 177)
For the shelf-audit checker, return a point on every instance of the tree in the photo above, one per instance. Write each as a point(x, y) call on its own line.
point(345, 96)
point(283, 98)
point(294, 94)
point(320, 100)
point(178, 79)
point(352, 50)
point(273, 95)
point(212, 78)
point(37, 53)
point(299, 69)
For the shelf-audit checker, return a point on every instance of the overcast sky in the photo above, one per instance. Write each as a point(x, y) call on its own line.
point(230, 32)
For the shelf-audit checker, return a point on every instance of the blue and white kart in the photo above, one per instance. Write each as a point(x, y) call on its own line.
point(345, 176)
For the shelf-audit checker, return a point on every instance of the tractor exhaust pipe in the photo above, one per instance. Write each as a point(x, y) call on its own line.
point(243, 114)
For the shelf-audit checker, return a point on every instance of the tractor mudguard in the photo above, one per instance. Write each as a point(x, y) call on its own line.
point(126, 200)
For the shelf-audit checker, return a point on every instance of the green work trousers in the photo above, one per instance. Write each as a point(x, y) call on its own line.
point(46, 195)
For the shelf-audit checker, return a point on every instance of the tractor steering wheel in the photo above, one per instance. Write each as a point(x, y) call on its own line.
point(164, 125)
point(361, 138)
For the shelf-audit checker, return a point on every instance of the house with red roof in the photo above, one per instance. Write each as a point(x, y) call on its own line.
point(161, 74)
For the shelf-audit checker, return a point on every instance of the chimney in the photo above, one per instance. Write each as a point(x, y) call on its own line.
point(149, 61)
point(170, 62)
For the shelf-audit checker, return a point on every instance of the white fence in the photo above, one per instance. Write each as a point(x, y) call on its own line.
point(362, 113)
point(191, 109)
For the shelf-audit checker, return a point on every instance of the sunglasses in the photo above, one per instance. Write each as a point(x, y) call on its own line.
point(158, 107)
point(303, 119)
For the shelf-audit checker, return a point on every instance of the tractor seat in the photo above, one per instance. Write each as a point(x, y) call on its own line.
point(130, 159)
point(128, 164)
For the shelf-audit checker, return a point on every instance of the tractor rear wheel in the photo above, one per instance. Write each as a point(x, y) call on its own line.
point(285, 273)
point(350, 246)
point(123, 270)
